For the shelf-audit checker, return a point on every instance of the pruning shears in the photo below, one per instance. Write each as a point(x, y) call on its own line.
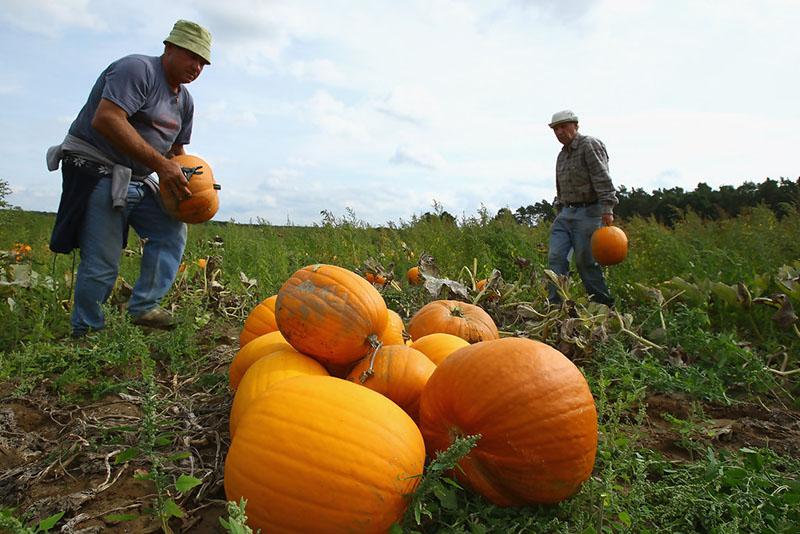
point(188, 172)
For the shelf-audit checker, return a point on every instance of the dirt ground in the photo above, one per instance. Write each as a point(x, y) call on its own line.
point(67, 459)
point(56, 459)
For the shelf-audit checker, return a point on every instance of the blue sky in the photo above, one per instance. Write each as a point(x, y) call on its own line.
point(382, 107)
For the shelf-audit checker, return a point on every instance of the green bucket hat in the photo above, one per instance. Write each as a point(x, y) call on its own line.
point(192, 37)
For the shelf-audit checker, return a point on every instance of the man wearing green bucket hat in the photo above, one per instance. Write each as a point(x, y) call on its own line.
point(138, 116)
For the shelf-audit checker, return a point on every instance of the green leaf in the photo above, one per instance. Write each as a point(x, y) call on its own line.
point(127, 455)
point(163, 440)
point(725, 293)
point(49, 522)
point(172, 510)
point(447, 497)
point(625, 518)
point(178, 456)
point(733, 476)
point(185, 483)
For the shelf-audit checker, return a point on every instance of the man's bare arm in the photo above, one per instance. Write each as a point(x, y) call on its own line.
point(112, 122)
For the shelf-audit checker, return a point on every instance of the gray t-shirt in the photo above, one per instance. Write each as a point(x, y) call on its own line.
point(136, 83)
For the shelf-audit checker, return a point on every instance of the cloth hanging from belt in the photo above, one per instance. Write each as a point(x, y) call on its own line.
point(75, 192)
point(121, 175)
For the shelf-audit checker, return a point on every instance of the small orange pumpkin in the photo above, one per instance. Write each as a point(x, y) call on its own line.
point(203, 203)
point(252, 352)
point(413, 276)
point(438, 346)
point(260, 321)
point(534, 412)
point(316, 453)
point(271, 369)
point(330, 313)
point(609, 245)
point(399, 373)
point(480, 284)
point(461, 319)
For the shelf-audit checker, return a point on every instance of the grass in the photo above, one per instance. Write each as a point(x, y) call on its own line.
point(715, 353)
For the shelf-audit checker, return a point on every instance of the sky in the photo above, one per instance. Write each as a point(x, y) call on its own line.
point(382, 108)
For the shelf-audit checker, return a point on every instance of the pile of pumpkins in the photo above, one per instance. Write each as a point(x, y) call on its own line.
point(338, 404)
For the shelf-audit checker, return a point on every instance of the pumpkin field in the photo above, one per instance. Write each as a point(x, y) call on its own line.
point(678, 410)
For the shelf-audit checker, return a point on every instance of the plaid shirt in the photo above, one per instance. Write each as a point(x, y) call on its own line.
point(582, 174)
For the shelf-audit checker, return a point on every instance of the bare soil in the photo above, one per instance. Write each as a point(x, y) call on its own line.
point(56, 458)
point(724, 427)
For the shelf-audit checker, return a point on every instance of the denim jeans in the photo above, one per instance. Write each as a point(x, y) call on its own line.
point(573, 229)
point(101, 243)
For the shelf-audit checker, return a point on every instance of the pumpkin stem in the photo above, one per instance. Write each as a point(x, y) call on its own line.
point(376, 345)
point(456, 311)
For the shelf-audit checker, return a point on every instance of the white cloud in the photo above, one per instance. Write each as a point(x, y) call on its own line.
point(410, 103)
point(314, 105)
point(48, 18)
point(321, 70)
point(223, 111)
point(417, 156)
point(334, 118)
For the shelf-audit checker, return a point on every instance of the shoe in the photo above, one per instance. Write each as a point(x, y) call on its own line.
point(157, 317)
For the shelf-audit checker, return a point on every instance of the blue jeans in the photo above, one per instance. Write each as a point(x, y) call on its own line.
point(573, 229)
point(101, 241)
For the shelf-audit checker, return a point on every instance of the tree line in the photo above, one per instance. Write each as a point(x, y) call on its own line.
point(668, 206)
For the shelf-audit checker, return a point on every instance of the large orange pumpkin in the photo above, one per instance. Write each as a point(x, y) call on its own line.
point(393, 333)
point(260, 321)
point(271, 369)
point(399, 373)
point(438, 346)
point(260, 347)
point(203, 203)
point(609, 245)
point(461, 319)
point(320, 454)
point(330, 313)
point(533, 410)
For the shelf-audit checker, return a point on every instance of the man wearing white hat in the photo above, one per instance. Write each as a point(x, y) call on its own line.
point(138, 116)
point(585, 199)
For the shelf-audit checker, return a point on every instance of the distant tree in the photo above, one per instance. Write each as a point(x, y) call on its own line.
point(504, 214)
point(5, 190)
point(534, 214)
point(444, 217)
point(668, 206)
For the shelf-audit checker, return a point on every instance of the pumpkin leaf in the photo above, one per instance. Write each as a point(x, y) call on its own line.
point(434, 286)
point(690, 293)
point(247, 281)
point(725, 293)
